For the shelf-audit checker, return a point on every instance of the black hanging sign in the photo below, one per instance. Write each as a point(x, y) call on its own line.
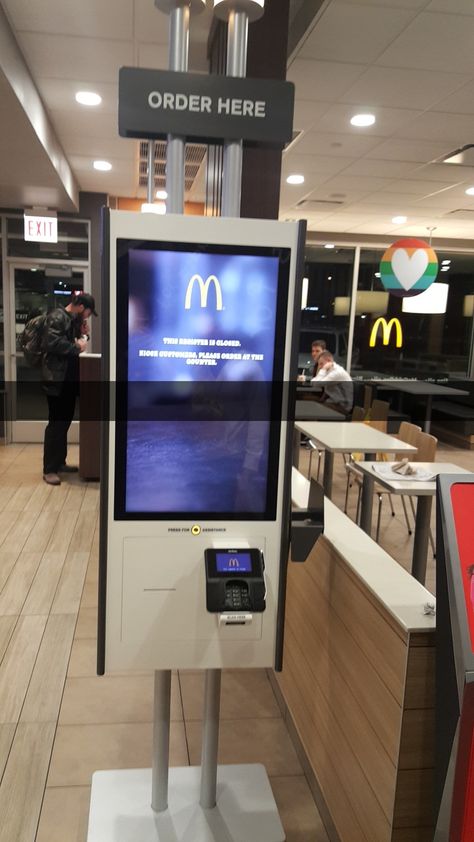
point(206, 109)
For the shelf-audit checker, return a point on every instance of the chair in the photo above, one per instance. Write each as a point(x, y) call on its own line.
point(358, 414)
point(379, 415)
point(426, 452)
point(376, 417)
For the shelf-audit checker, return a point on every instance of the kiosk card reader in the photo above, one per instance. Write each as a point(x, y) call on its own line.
point(235, 581)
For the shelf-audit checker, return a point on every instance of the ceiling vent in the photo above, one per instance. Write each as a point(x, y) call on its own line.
point(318, 204)
point(463, 157)
point(193, 158)
point(460, 213)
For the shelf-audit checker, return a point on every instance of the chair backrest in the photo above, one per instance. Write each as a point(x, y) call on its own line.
point(426, 445)
point(379, 415)
point(408, 432)
point(358, 413)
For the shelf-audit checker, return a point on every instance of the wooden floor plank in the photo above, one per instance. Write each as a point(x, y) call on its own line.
point(21, 793)
point(7, 625)
point(7, 732)
point(17, 666)
point(7, 563)
point(43, 589)
point(43, 698)
point(16, 589)
point(20, 499)
point(41, 535)
point(19, 534)
point(71, 583)
point(61, 538)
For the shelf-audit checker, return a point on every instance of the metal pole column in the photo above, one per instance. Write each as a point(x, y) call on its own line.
point(178, 60)
point(237, 37)
point(150, 190)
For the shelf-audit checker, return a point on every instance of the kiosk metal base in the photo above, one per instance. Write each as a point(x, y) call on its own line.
point(245, 811)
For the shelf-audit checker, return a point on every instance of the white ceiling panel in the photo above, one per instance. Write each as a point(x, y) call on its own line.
point(86, 123)
point(441, 172)
point(460, 102)
point(454, 7)
point(90, 59)
point(456, 129)
point(388, 120)
point(434, 42)
point(153, 56)
point(401, 88)
point(322, 81)
point(393, 4)
point(307, 113)
point(353, 184)
point(417, 188)
point(333, 37)
point(382, 169)
point(58, 94)
point(335, 144)
point(69, 17)
point(410, 150)
point(151, 24)
point(293, 163)
point(97, 148)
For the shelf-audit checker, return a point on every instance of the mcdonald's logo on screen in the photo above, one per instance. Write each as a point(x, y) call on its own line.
point(234, 563)
point(203, 287)
point(386, 332)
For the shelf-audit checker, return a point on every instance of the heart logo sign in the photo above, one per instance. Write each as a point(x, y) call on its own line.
point(408, 267)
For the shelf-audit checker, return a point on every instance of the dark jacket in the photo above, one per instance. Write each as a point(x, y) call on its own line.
point(60, 355)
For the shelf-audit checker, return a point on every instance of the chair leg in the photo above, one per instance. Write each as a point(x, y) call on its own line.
point(347, 494)
point(412, 507)
point(359, 498)
point(310, 463)
point(319, 464)
point(432, 544)
point(406, 515)
point(379, 516)
point(391, 505)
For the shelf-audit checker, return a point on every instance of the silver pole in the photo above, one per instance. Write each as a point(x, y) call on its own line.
point(151, 172)
point(210, 739)
point(161, 740)
point(352, 315)
point(178, 60)
point(237, 38)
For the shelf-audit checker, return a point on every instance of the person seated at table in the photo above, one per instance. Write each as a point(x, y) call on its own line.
point(311, 368)
point(338, 389)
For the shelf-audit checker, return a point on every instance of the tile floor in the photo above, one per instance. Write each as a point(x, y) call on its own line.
point(58, 721)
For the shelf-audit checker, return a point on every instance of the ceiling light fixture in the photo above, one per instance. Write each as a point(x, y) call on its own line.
point(154, 207)
point(363, 120)
point(399, 220)
point(445, 262)
point(161, 194)
point(102, 166)
point(329, 245)
point(295, 179)
point(470, 191)
point(88, 98)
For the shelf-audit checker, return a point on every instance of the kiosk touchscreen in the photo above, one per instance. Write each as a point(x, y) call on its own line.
point(196, 499)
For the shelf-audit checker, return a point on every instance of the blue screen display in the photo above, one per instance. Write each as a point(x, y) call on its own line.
point(200, 365)
point(233, 563)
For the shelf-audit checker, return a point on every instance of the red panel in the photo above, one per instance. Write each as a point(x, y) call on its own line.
point(462, 499)
point(462, 814)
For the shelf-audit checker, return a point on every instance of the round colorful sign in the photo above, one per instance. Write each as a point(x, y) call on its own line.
point(408, 267)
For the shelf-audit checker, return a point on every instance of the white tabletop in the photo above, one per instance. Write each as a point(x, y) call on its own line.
point(413, 487)
point(347, 436)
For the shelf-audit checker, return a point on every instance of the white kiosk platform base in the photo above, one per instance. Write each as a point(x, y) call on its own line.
point(245, 811)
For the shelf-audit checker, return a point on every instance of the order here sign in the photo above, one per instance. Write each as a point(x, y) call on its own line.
point(155, 103)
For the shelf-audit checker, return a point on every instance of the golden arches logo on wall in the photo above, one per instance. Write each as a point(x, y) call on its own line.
point(203, 291)
point(387, 328)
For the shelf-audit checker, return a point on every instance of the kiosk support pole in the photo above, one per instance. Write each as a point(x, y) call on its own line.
point(178, 60)
point(210, 739)
point(237, 36)
point(151, 172)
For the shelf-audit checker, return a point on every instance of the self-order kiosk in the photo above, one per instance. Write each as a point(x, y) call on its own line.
point(195, 501)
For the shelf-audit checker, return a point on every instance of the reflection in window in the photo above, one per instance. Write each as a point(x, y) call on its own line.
point(329, 274)
point(433, 345)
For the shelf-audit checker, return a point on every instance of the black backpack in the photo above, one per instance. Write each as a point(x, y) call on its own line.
point(31, 341)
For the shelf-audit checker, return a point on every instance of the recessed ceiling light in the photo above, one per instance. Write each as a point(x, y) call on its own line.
point(363, 120)
point(329, 277)
point(377, 274)
point(103, 166)
point(470, 191)
point(445, 262)
point(329, 245)
point(399, 220)
point(88, 98)
point(445, 268)
point(161, 194)
point(295, 179)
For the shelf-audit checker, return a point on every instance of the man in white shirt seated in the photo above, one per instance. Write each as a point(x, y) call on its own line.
point(338, 389)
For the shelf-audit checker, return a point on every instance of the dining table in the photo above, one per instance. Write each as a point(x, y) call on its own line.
point(421, 388)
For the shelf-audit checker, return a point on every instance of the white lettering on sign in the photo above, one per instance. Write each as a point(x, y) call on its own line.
point(40, 229)
point(203, 104)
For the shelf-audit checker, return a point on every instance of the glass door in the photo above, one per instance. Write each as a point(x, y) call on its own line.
point(34, 289)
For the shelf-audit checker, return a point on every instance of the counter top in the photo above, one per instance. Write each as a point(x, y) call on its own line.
point(402, 595)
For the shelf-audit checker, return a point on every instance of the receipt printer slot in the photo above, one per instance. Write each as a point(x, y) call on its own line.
point(235, 581)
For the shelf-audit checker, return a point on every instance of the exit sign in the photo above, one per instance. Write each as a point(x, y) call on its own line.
point(41, 229)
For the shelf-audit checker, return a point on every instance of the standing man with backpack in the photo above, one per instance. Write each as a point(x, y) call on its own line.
point(61, 344)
